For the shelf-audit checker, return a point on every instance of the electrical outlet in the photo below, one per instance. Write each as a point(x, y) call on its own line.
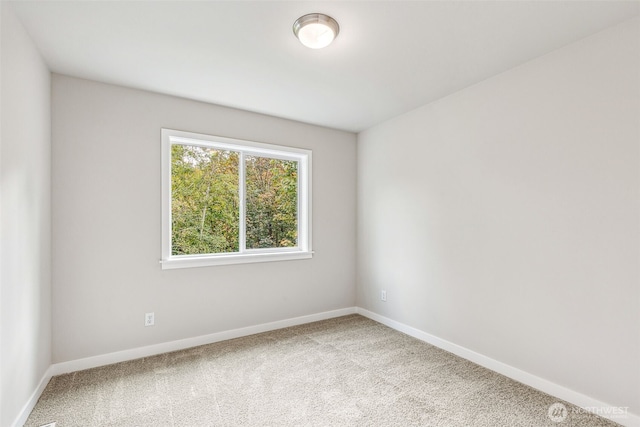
point(383, 295)
point(149, 319)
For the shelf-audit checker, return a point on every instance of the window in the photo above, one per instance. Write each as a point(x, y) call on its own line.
point(227, 201)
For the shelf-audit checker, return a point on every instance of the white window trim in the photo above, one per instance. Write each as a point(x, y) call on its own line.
point(302, 251)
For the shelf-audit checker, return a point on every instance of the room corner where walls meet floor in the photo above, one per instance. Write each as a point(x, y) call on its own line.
point(565, 394)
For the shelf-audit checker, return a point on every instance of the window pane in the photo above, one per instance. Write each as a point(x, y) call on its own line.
point(204, 200)
point(271, 202)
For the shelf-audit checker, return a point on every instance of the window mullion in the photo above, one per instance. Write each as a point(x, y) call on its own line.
point(242, 198)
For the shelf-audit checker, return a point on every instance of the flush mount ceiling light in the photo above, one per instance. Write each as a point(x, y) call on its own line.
point(316, 30)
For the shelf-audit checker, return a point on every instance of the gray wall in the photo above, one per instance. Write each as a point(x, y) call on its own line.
point(106, 222)
point(505, 218)
point(25, 221)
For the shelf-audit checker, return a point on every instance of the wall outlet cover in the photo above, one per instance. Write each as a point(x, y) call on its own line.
point(149, 319)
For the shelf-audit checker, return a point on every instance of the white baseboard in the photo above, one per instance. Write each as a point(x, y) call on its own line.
point(546, 386)
point(152, 350)
point(33, 399)
point(578, 399)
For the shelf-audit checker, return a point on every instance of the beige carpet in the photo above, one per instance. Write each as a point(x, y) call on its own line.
point(349, 371)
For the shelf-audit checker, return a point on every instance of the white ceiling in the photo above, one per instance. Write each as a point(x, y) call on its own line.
point(389, 57)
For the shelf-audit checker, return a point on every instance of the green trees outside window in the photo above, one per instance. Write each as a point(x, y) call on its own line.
point(272, 202)
point(206, 206)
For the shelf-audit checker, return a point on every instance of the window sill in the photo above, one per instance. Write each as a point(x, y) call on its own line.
point(211, 260)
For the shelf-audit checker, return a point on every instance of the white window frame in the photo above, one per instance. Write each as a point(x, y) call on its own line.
point(303, 157)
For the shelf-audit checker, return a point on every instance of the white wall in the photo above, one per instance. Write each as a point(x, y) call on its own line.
point(107, 235)
point(505, 217)
point(25, 222)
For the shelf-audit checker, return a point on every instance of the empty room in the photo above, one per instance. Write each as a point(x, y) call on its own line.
point(319, 213)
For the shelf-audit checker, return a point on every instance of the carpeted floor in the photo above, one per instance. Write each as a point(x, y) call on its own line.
point(348, 371)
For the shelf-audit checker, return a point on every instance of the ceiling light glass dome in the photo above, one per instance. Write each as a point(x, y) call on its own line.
point(316, 30)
